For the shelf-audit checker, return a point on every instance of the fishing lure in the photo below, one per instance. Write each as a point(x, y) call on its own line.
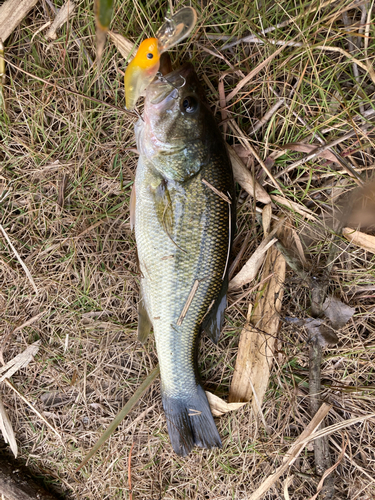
point(145, 65)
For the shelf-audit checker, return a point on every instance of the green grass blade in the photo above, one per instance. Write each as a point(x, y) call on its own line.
point(123, 413)
point(103, 15)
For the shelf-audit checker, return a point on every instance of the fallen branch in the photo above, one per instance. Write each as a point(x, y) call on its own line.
point(16, 483)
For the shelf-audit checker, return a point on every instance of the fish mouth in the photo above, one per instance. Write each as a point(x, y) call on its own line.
point(167, 87)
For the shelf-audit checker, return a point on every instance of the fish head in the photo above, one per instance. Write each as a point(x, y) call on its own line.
point(174, 109)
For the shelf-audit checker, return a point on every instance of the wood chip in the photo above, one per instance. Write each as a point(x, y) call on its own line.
point(219, 406)
point(246, 180)
point(63, 15)
point(11, 14)
point(362, 240)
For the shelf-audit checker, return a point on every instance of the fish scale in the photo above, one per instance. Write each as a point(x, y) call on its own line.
point(183, 235)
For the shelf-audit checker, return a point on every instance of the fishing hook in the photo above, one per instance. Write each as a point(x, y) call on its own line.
point(138, 114)
point(165, 80)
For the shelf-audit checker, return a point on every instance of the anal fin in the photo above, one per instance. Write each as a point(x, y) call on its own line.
point(144, 322)
point(213, 323)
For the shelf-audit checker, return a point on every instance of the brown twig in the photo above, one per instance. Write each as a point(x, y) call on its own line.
point(318, 294)
point(283, 24)
point(130, 472)
point(321, 445)
point(318, 151)
point(294, 451)
point(216, 191)
point(188, 302)
point(246, 143)
point(73, 92)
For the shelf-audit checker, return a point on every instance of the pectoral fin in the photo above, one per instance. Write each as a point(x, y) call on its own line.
point(163, 206)
point(144, 323)
point(213, 323)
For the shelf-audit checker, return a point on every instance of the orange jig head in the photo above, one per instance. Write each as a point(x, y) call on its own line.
point(141, 71)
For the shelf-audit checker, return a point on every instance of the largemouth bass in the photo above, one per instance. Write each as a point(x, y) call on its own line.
point(184, 223)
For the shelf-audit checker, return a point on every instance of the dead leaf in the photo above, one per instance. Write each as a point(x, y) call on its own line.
point(7, 430)
point(337, 312)
point(19, 361)
point(250, 270)
point(54, 399)
point(11, 14)
point(269, 162)
point(362, 240)
point(319, 330)
point(245, 179)
point(241, 151)
point(223, 111)
point(310, 148)
point(266, 219)
point(103, 16)
point(252, 266)
point(362, 212)
point(257, 341)
point(123, 45)
point(63, 15)
point(219, 406)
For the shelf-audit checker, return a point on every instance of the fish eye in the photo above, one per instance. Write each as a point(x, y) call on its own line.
point(189, 104)
point(149, 55)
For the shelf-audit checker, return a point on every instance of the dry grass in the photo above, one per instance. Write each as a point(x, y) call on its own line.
point(81, 255)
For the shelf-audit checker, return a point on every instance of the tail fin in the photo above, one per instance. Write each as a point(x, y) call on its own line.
point(190, 422)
